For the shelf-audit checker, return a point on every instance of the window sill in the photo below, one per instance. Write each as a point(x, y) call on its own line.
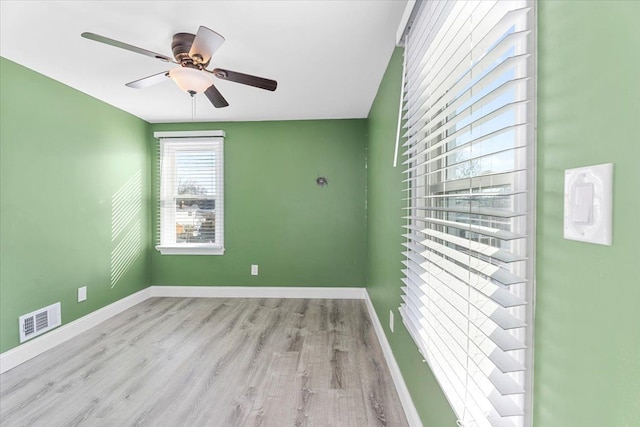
point(190, 250)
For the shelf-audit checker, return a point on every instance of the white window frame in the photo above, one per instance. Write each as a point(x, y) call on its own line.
point(166, 217)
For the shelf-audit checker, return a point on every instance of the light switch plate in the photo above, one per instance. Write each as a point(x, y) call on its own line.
point(588, 200)
point(82, 294)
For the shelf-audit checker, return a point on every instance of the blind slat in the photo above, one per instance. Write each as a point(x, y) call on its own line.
point(471, 210)
point(480, 248)
point(486, 231)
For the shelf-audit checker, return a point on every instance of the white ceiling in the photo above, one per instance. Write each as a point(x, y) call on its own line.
point(327, 56)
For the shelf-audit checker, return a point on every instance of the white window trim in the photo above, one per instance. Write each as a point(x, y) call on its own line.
point(191, 250)
point(194, 248)
point(189, 134)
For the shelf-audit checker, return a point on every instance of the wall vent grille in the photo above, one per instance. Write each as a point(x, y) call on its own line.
point(39, 321)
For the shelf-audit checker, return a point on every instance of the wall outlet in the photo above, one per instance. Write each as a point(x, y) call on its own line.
point(82, 294)
point(391, 322)
point(254, 270)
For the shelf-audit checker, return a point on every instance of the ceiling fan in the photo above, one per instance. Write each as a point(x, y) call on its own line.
point(192, 52)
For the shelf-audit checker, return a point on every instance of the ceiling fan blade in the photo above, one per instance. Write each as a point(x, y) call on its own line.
point(149, 81)
point(121, 45)
point(245, 79)
point(205, 45)
point(216, 97)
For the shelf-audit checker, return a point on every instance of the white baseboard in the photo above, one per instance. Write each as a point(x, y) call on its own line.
point(24, 352)
point(401, 387)
point(256, 292)
point(18, 355)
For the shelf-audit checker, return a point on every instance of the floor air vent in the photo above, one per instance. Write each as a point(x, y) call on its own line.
point(39, 321)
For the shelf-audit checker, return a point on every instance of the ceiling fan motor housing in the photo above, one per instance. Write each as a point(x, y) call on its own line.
point(180, 46)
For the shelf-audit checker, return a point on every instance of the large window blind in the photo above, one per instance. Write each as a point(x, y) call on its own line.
point(469, 112)
point(191, 199)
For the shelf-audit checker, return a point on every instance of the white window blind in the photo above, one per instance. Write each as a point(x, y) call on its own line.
point(469, 115)
point(191, 200)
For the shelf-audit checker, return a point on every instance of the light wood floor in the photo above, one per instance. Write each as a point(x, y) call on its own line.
point(211, 362)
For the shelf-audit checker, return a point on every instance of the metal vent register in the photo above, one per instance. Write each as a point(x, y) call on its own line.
point(39, 321)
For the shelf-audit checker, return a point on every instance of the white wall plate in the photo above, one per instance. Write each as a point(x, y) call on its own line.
point(588, 197)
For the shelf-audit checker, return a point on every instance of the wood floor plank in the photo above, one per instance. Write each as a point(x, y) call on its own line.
point(273, 411)
point(313, 380)
point(346, 408)
point(211, 362)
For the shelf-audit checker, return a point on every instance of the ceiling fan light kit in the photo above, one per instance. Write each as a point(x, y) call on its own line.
point(192, 52)
point(190, 80)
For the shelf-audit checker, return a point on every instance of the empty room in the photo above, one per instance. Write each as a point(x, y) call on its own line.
point(320, 213)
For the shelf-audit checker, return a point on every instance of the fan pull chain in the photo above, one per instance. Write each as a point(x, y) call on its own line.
point(193, 108)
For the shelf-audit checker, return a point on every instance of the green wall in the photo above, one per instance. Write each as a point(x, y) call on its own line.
point(587, 330)
point(276, 216)
point(384, 193)
point(587, 348)
point(63, 157)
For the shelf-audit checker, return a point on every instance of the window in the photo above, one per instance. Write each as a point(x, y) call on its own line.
point(469, 283)
point(191, 200)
